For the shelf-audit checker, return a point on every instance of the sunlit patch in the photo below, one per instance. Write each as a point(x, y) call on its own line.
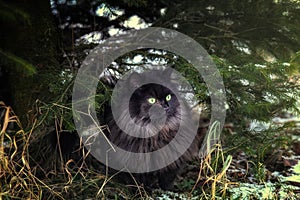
point(136, 22)
point(111, 13)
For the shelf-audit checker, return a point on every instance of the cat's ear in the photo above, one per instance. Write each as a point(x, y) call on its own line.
point(134, 80)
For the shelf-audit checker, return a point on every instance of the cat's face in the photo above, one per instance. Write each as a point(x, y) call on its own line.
point(151, 96)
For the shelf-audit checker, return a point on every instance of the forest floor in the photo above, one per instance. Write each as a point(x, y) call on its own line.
point(275, 175)
point(30, 169)
point(279, 179)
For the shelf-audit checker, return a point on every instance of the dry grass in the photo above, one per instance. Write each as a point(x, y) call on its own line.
point(16, 176)
point(213, 168)
point(31, 169)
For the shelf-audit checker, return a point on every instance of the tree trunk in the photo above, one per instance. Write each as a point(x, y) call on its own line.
point(35, 40)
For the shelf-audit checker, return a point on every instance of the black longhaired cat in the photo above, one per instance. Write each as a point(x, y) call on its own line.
point(174, 114)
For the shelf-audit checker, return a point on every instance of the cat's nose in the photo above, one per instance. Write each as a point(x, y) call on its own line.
point(165, 106)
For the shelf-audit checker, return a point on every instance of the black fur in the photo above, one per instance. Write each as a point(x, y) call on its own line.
point(177, 114)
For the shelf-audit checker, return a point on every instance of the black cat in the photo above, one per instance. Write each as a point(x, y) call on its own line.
point(168, 114)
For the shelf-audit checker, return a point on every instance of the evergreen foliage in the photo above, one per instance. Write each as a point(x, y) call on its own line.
point(255, 45)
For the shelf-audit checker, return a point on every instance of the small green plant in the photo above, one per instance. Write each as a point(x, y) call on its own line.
point(264, 191)
point(296, 177)
point(186, 184)
point(260, 172)
point(268, 190)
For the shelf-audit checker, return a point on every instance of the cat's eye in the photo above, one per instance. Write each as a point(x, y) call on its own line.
point(152, 100)
point(168, 97)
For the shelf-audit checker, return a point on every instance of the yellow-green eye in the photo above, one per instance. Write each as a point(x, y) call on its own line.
point(152, 100)
point(168, 97)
